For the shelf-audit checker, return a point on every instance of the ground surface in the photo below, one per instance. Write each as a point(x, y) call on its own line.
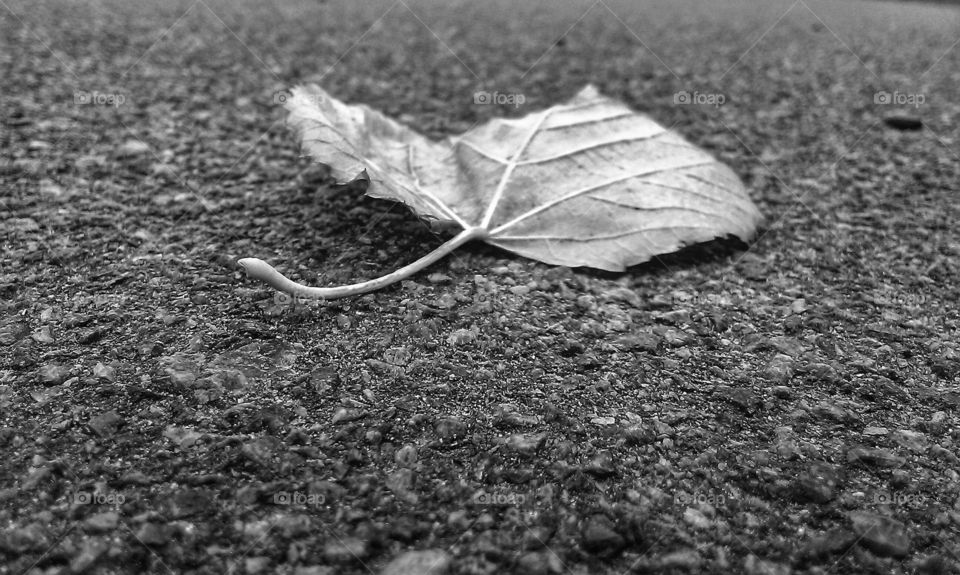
point(791, 408)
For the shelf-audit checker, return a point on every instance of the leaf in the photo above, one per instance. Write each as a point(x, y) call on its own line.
point(585, 183)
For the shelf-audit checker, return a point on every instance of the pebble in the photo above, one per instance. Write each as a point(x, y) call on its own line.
point(165, 171)
point(348, 414)
point(346, 550)
point(406, 456)
point(106, 424)
point(672, 336)
point(780, 369)
point(462, 337)
point(875, 457)
point(107, 521)
point(89, 554)
point(834, 542)
point(104, 372)
point(53, 374)
point(601, 466)
point(526, 444)
point(506, 415)
point(451, 428)
point(535, 563)
point(190, 502)
point(696, 518)
point(833, 412)
point(255, 564)
point(401, 482)
point(880, 534)
point(132, 148)
point(912, 440)
point(426, 562)
point(816, 484)
point(621, 294)
point(756, 566)
point(687, 559)
point(642, 341)
point(821, 372)
point(600, 538)
point(742, 397)
point(153, 534)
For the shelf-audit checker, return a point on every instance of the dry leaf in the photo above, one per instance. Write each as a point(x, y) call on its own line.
point(585, 183)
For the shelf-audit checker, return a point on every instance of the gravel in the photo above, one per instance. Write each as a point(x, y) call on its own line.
point(787, 408)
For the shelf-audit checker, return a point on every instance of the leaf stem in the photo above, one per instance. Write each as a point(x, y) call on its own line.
point(261, 270)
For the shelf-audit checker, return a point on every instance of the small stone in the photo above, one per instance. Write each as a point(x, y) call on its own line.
point(816, 484)
point(13, 331)
point(164, 170)
point(875, 457)
point(260, 451)
point(106, 424)
point(256, 564)
point(348, 414)
point(601, 466)
point(401, 482)
point(821, 372)
point(534, 563)
point(462, 337)
point(642, 341)
point(20, 540)
point(600, 538)
point(880, 534)
point(834, 542)
point(102, 521)
point(315, 174)
point(780, 369)
point(742, 397)
point(406, 456)
point(756, 566)
point(525, 445)
point(450, 428)
point(132, 148)
point(346, 550)
point(586, 302)
point(687, 559)
point(104, 372)
point(621, 294)
point(153, 534)
point(89, 554)
point(833, 412)
point(426, 562)
point(782, 392)
point(695, 518)
point(912, 440)
point(53, 374)
point(189, 502)
point(674, 317)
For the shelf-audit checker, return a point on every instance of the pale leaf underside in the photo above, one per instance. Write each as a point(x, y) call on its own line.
point(585, 183)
